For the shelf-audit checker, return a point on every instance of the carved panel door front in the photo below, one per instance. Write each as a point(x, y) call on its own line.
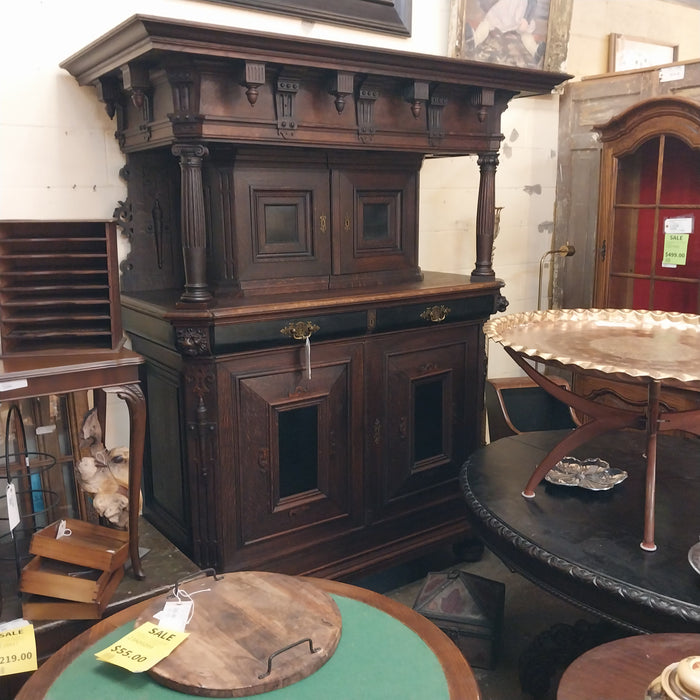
point(424, 424)
point(294, 444)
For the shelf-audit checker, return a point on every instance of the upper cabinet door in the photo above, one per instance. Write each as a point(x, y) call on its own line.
point(375, 217)
point(648, 245)
point(282, 221)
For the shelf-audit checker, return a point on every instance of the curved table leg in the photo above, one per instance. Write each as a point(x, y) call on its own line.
point(603, 419)
point(136, 404)
point(652, 433)
point(580, 435)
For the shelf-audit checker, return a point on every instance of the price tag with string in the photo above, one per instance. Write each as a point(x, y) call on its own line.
point(175, 615)
point(12, 507)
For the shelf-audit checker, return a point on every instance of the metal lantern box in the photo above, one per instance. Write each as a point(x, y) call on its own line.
point(469, 609)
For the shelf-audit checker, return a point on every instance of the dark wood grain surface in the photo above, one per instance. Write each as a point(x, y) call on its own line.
point(584, 545)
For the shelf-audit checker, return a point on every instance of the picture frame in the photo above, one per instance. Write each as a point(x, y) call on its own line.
point(525, 33)
point(386, 16)
point(632, 53)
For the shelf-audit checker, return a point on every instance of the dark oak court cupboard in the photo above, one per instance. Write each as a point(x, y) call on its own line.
point(311, 391)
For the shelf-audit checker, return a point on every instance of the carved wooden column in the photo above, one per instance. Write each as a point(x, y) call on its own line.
point(485, 215)
point(194, 243)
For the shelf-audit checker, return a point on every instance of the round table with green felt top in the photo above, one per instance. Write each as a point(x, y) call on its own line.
point(386, 651)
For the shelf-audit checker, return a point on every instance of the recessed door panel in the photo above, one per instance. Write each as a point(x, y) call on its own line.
point(375, 219)
point(293, 439)
point(282, 222)
point(428, 424)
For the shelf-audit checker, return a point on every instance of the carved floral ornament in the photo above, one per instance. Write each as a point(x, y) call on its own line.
point(193, 341)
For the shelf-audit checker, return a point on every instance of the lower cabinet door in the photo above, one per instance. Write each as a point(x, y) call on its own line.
point(297, 462)
point(423, 410)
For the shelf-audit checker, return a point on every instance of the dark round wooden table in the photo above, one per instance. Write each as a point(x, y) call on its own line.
point(584, 545)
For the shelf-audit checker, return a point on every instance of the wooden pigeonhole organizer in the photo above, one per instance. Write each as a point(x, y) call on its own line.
point(74, 572)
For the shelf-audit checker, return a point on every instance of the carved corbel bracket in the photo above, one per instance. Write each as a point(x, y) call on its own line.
point(286, 89)
point(417, 94)
point(341, 85)
point(185, 81)
point(109, 92)
point(254, 78)
point(367, 95)
point(483, 99)
point(436, 104)
point(137, 83)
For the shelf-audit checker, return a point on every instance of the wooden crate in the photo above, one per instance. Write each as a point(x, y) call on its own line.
point(90, 546)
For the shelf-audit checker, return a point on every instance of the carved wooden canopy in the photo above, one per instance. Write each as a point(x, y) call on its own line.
point(169, 80)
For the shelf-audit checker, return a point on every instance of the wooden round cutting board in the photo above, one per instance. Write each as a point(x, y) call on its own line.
point(239, 622)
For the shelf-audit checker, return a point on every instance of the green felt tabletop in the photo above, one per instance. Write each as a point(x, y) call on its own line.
point(378, 658)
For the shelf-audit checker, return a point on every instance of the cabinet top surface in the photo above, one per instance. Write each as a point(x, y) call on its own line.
point(143, 36)
point(434, 285)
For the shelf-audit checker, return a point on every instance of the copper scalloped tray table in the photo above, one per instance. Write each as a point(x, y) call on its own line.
point(651, 347)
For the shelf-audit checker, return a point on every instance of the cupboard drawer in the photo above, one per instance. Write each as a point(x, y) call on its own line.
point(242, 336)
point(430, 312)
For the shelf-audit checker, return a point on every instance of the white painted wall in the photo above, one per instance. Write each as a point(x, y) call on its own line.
point(60, 159)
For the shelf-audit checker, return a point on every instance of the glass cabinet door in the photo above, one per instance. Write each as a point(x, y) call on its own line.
point(649, 248)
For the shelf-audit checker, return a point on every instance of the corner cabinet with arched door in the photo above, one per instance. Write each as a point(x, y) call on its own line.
point(648, 242)
point(648, 246)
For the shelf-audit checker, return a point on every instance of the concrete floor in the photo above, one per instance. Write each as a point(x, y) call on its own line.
point(529, 611)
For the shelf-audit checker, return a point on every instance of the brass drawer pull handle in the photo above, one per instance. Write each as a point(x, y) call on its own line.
point(435, 313)
point(300, 330)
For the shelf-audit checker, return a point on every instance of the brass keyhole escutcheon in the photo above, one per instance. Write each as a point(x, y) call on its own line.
point(346, 224)
point(323, 223)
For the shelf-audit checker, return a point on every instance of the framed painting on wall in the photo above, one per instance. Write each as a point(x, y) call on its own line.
point(387, 16)
point(524, 33)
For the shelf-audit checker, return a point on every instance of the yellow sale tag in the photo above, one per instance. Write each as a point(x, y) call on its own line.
point(17, 650)
point(142, 648)
point(675, 248)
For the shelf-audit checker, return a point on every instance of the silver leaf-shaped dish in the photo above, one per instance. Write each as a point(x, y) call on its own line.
point(593, 474)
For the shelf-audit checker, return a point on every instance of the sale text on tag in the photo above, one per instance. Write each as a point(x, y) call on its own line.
point(675, 249)
point(17, 650)
point(142, 648)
